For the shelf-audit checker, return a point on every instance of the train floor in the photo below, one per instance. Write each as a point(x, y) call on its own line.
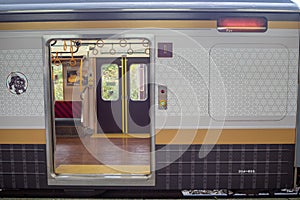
point(102, 155)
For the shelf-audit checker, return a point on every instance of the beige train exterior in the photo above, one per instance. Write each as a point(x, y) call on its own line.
point(257, 71)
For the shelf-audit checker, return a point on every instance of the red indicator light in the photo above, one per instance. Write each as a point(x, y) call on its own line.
point(162, 91)
point(242, 24)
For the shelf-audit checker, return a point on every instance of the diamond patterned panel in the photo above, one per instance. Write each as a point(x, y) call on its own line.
point(259, 82)
point(292, 83)
point(30, 63)
point(186, 76)
point(255, 80)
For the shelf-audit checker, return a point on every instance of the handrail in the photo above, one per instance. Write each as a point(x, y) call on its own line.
point(72, 60)
point(56, 60)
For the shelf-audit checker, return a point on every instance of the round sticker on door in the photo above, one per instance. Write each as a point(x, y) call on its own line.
point(16, 83)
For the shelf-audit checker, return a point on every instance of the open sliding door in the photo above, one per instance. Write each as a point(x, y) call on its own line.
point(113, 140)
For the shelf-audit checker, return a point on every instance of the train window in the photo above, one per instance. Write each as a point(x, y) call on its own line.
point(110, 82)
point(58, 81)
point(138, 82)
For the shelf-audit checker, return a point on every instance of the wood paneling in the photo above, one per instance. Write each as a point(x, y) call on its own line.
point(98, 151)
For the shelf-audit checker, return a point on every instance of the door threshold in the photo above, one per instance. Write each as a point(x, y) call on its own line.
point(121, 135)
point(103, 169)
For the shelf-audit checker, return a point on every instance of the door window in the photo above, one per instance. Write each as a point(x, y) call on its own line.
point(58, 82)
point(110, 82)
point(138, 82)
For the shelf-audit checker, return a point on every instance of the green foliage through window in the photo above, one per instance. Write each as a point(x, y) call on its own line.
point(58, 82)
point(110, 82)
point(138, 82)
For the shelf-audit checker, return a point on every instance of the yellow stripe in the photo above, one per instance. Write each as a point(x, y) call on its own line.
point(226, 136)
point(108, 24)
point(283, 25)
point(126, 95)
point(123, 94)
point(103, 169)
point(55, 25)
point(117, 135)
point(22, 136)
point(172, 136)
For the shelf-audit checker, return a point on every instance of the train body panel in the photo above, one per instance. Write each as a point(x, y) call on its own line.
point(203, 43)
point(212, 109)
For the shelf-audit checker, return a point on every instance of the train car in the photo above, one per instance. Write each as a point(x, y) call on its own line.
point(100, 96)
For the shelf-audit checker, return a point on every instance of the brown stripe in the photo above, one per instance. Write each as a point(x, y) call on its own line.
point(175, 136)
point(226, 136)
point(108, 24)
point(283, 25)
point(128, 24)
point(22, 136)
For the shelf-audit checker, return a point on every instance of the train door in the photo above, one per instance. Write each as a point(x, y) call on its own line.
point(123, 100)
point(110, 135)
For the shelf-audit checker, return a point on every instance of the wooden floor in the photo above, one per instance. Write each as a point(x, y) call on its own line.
point(102, 151)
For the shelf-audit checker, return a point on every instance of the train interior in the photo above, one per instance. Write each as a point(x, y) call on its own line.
point(100, 106)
